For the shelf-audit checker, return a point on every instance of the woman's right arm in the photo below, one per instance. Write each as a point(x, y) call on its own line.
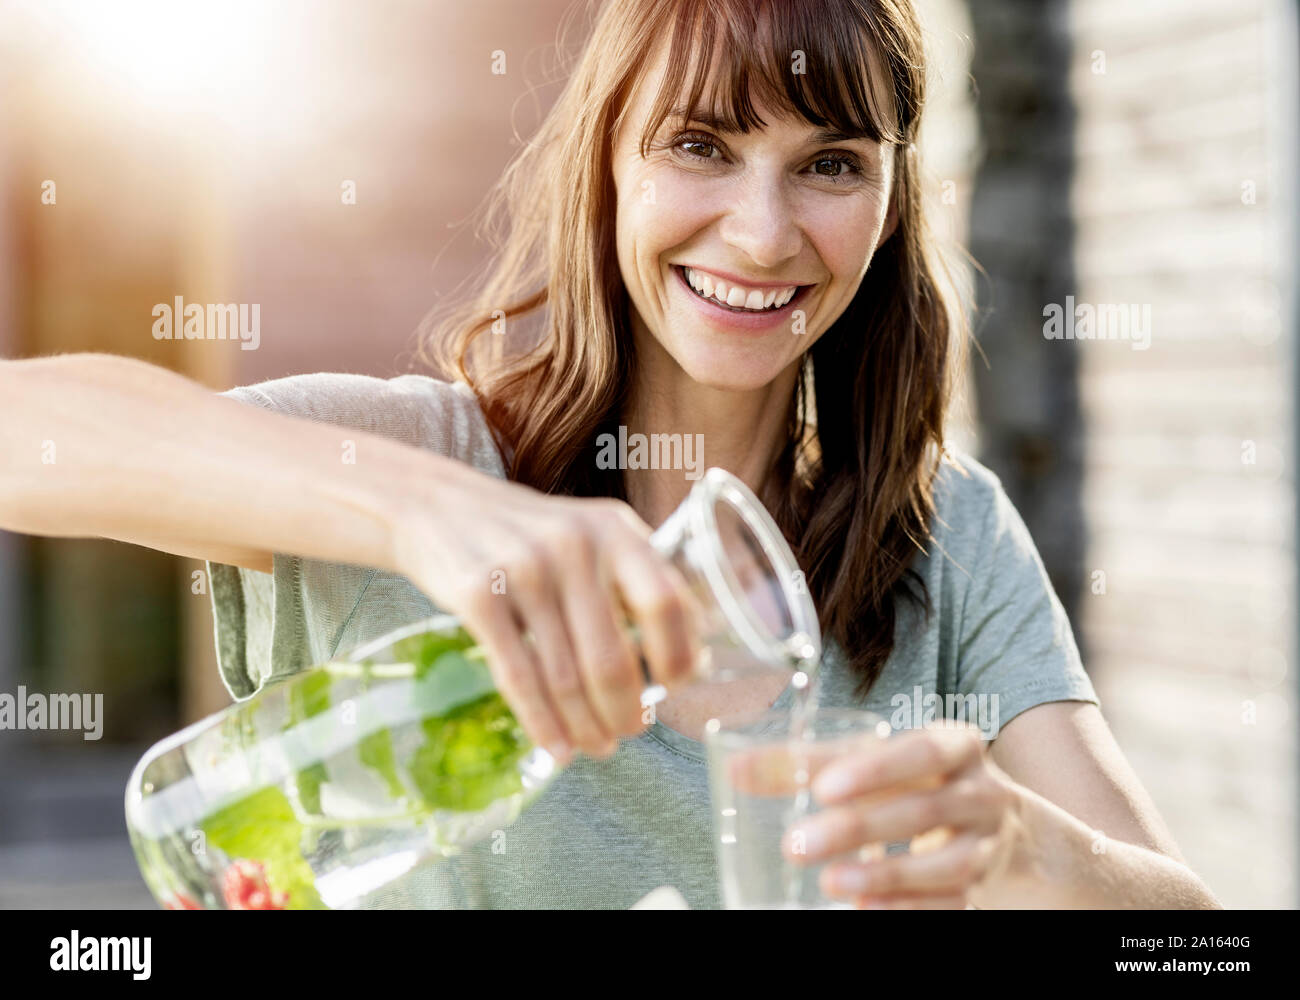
point(98, 445)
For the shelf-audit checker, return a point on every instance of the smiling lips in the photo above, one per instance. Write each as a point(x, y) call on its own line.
point(737, 296)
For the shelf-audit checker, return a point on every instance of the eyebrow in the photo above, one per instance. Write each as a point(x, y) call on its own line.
point(720, 124)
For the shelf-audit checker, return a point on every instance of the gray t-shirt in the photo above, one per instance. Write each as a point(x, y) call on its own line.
point(609, 831)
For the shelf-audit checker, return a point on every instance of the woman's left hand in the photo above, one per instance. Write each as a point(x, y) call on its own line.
point(938, 787)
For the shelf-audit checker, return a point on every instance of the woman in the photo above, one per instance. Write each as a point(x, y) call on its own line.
point(717, 232)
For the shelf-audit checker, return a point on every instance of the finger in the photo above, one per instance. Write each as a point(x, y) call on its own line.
point(944, 902)
point(516, 673)
point(657, 601)
point(561, 673)
point(909, 756)
point(948, 870)
point(783, 767)
point(868, 853)
point(606, 658)
point(965, 804)
point(931, 840)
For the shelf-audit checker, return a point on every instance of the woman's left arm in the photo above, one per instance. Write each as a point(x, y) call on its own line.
point(1050, 816)
point(1089, 834)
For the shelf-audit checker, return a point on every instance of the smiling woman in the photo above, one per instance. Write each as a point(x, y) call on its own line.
point(762, 147)
point(716, 236)
point(733, 244)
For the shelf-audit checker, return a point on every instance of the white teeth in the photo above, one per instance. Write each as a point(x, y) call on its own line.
point(737, 296)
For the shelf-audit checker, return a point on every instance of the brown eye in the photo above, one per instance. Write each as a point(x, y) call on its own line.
point(701, 149)
point(841, 167)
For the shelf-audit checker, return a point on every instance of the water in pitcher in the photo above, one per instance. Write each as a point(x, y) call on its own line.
point(323, 789)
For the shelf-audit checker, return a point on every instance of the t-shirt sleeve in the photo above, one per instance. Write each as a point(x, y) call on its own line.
point(270, 625)
point(1015, 645)
point(258, 620)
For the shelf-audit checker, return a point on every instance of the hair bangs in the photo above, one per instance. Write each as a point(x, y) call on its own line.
point(834, 72)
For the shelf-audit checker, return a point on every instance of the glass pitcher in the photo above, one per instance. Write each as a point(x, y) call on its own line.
point(326, 786)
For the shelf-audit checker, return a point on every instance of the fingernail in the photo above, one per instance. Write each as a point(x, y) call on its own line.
point(562, 753)
point(807, 840)
point(831, 785)
point(851, 880)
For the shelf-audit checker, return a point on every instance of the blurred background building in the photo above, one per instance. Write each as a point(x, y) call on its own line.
point(1097, 153)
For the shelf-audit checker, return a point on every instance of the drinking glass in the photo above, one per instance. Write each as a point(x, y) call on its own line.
point(760, 770)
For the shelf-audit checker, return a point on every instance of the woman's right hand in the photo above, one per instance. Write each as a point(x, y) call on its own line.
point(510, 560)
point(561, 565)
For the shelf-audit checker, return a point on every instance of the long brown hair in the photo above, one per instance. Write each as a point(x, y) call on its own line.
point(852, 487)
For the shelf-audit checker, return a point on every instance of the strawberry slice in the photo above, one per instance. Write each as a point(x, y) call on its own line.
point(245, 887)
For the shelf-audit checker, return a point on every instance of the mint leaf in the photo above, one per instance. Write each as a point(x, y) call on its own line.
point(470, 756)
point(310, 695)
point(262, 827)
point(309, 780)
point(424, 649)
point(376, 751)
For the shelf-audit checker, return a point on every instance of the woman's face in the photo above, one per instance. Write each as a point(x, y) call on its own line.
point(780, 215)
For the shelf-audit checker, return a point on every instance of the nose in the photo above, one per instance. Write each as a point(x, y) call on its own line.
point(762, 223)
